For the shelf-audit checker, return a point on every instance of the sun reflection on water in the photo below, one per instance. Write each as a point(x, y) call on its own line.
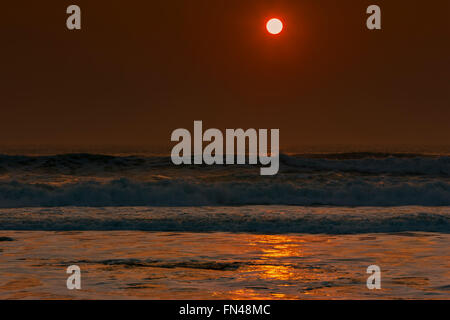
point(280, 263)
point(222, 265)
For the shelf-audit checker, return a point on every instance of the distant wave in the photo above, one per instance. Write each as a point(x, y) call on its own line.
point(251, 219)
point(79, 163)
point(124, 192)
point(374, 163)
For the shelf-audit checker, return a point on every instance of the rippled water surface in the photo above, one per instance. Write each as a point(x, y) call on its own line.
point(186, 265)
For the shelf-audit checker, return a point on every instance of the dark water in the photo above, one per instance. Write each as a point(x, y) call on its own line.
point(350, 179)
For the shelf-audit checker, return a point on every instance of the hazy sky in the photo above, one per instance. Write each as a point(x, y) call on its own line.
point(140, 69)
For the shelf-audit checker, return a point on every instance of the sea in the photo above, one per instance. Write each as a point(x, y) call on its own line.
point(139, 227)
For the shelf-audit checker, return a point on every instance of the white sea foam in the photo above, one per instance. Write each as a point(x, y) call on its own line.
point(337, 180)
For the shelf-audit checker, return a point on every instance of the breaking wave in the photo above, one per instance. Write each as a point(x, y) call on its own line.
point(248, 219)
point(350, 179)
point(123, 192)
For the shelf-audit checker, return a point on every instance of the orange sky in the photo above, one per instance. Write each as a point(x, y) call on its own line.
point(139, 69)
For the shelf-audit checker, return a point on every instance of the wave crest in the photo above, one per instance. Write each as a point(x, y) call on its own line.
point(249, 219)
point(123, 192)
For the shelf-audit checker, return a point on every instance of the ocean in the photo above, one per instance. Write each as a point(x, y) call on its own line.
point(140, 227)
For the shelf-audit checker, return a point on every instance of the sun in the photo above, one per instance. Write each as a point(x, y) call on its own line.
point(274, 26)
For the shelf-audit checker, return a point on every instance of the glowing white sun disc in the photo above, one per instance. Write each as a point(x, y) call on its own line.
point(274, 26)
